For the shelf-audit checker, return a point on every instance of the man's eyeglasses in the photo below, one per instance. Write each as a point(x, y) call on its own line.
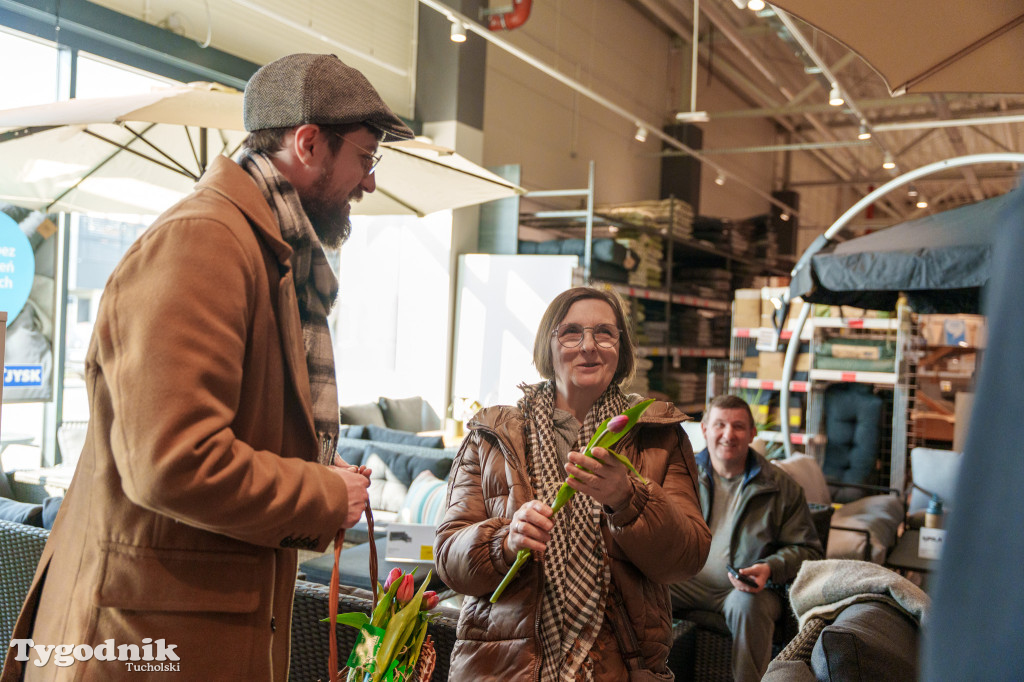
point(370, 161)
point(571, 335)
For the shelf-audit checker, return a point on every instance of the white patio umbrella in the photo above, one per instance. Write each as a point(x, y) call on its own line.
point(141, 153)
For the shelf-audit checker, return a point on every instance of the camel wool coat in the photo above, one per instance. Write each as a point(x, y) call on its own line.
point(198, 479)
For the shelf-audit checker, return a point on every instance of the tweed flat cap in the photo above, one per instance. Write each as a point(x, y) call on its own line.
point(316, 88)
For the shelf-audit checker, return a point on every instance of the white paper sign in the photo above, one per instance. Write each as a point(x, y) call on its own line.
point(929, 545)
point(767, 339)
point(410, 542)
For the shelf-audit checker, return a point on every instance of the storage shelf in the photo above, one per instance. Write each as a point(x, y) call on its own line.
point(884, 378)
point(885, 323)
point(660, 295)
point(776, 437)
point(680, 352)
point(752, 332)
point(765, 385)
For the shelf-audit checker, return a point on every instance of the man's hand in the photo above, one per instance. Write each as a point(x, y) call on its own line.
point(357, 480)
point(602, 477)
point(758, 572)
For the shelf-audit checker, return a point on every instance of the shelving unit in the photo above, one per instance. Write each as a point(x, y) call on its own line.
point(678, 354)
point(894, 386)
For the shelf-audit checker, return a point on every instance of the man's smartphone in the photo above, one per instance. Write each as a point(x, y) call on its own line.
point(745, 579)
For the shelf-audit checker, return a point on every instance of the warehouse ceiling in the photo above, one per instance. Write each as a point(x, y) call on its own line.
point(780, 68)
point(774, 62)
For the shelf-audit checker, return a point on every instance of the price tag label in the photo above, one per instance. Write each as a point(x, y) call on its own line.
point(767, 339)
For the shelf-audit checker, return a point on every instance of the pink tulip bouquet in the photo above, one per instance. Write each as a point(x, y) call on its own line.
point(392, 644)
point(608, 433)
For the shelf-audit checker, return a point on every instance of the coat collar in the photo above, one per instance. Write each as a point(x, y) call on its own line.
point(227, 178)
point(751, 470)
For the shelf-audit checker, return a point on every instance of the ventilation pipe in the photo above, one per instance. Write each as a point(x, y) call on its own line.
point(508, 18)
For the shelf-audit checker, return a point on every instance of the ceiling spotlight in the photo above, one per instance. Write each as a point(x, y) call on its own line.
point(922, 203)
point(863, 133)
point(911, 191)
point(784, 217)
point(756, 5)
point(458, 34)
point(835, 98)
point(641, 134)
point(720, 179)
point(889, 163)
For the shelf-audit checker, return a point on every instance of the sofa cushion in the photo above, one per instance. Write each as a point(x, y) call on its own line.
point(880, 515)
point(364, 413)
point(425, 501)
point(385, 435)
point(21, 512)
point(404, 414)
point(867, 642)
point(386, 491)
point(804, 470)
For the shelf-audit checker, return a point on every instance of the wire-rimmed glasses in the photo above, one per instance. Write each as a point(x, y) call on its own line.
point(570, 335)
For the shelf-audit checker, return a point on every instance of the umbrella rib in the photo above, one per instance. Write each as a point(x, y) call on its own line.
point(24, 132)
point(174, 168)
point(501, 183)
point(92, 170)
point(1008, 26)
point(394, 198)
point(140, 137)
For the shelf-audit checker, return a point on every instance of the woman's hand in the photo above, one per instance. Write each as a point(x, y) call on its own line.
point(530, 527)
point(602, 477)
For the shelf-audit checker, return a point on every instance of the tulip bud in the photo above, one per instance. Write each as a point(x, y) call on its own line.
point(618, 423)
point(405, 590)
point(394, 575)
point(430, 600)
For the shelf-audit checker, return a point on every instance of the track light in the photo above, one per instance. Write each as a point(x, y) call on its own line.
point(458, 34)
point(641, 134)
point(863, 133)
point(720, 179)
point(922, 203)
point(755, 5)
point(835, 98)
point(888, 163)
point(784, 217)
point(911, 191)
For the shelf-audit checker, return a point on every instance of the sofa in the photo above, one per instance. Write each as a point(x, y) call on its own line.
point(403, 414)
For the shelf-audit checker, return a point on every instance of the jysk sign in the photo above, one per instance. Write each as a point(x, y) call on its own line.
point(23, 375)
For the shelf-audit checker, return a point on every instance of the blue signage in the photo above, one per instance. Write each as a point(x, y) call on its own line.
point(17, 268)
point(23, 375)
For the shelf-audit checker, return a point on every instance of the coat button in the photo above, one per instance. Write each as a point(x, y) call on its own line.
point(273, 625)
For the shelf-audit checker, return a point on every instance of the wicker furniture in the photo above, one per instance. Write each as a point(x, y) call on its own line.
point(20, 549)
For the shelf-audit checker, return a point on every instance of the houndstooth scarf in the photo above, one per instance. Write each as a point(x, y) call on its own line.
point(576, 571)
point(316, 289)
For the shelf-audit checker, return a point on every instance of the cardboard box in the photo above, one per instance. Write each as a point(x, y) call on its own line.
point(803, 363)
point(746, 308)
point(769, 365)
point(750, 364)
point(852, 351)
point(954, 330)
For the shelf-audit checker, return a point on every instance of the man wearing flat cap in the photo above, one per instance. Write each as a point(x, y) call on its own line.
point(210, 453)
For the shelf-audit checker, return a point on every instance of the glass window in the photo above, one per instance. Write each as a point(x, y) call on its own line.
point(34, 81)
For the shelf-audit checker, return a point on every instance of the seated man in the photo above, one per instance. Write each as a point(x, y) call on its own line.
point(760, 524)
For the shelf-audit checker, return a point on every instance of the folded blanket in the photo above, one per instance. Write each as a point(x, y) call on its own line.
point(824, 588)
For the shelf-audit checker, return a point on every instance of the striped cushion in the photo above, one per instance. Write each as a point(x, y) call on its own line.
point(425, 500)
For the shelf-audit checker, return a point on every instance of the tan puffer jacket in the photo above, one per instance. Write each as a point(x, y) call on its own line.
point(658, 539)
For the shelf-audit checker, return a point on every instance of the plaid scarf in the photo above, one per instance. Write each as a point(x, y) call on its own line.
point(576, 571)
point(316, 289)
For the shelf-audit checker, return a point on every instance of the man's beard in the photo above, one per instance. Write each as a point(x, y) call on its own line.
point(329, 219)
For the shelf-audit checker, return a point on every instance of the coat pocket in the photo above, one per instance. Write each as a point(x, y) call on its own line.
point(148, 579)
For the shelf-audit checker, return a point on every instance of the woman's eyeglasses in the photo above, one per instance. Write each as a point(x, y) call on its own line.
point(571, 335)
